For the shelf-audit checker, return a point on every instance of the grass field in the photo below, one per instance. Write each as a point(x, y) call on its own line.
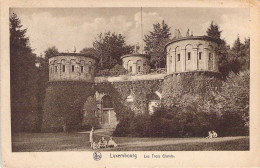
point(43, 142)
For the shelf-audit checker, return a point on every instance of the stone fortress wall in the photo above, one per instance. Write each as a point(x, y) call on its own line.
point(192, 57)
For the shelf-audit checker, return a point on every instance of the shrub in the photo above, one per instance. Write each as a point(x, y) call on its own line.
point(180, 122)
point(115, 71)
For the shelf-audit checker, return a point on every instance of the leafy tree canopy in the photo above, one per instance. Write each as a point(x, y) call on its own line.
point(239, 56)
point(51, 51)
point(109, 47)
point(155, 42)
point(89, 51)
point(233, 59)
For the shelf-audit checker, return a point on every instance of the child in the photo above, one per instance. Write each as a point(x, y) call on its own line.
point(102, 143)
point(111, 143)
point(94, 146)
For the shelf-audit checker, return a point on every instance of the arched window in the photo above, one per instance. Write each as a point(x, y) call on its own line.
point(107, 102)
point(189, 59)
point(55, 66)
point(154, 101)
point(63, 62)
point(188, 52)
point(153, 96)
point(200, 52)
point(178, 65)
point(200, 58)
point(89, 66)
point(178, 53)
point(210, 59)
point(130, 66)
point(130, 98)
point(82, 63)
point(210, 52)
point(139, 65)
point(72, 64)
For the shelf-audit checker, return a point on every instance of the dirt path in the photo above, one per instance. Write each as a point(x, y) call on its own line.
point(168, 141)
point(178, 141)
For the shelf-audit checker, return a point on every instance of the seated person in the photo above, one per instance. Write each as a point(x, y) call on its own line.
point(102, 143)
point(210, 135)
point(95, 146)
point(214, 134)
point(111, 143)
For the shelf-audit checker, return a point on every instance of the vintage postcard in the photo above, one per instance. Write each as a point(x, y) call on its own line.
point(130, 84)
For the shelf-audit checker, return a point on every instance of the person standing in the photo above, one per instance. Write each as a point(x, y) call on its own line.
point(91, 135)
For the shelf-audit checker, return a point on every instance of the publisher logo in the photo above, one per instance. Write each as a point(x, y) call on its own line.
point(97, 156)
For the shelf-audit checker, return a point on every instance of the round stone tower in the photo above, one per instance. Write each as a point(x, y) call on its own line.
point(136, 63)
point(71, 67)
point(194, 53)
point(71, 83)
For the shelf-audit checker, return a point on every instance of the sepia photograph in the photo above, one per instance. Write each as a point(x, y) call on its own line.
point(129, 79)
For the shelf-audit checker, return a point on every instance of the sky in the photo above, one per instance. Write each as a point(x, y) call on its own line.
point(79, 27)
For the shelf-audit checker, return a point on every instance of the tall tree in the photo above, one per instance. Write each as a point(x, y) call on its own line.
point(23, 78)
point(155, 42)
point(109, 48)
point(213, 30)
point(42, 80)
point(246, 58)
point(239, 58)
point(222, 49)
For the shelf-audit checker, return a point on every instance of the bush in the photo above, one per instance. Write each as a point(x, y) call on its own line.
point(168, 122)
point(115, 71)
point(181, 122)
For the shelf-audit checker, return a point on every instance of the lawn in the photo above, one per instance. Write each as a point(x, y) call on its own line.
point(43, 142)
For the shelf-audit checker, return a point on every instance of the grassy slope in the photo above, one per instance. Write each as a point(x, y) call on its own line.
point(26, 142)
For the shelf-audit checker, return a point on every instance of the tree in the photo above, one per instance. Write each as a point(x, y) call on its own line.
point(232, 102)
point(89, 51)
point(155, 42)
point(213, 30)
point(115, 71)
point(239, 58)
point(23, 78)
point(42, 80)
point(246, 58)
point(222, 49)
point(51, 51)
point(109, 47)
point(44, 62)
